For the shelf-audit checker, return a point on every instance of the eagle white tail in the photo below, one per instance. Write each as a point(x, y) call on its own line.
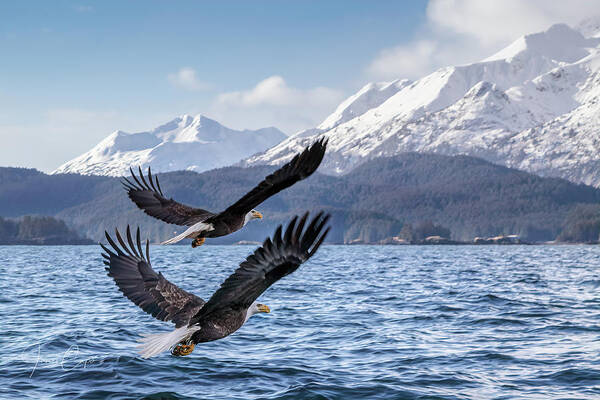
point(153, 344)
point(192, 231)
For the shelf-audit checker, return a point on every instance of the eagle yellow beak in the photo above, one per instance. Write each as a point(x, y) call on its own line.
point(263, 308)
point(256, 214)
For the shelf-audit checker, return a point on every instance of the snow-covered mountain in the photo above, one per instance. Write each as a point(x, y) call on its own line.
point(185, 143)
point(534, 105)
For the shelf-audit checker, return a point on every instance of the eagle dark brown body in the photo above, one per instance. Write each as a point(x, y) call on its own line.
point(219, 325)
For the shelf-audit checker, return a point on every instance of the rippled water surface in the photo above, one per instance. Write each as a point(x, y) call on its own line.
point(405, 322)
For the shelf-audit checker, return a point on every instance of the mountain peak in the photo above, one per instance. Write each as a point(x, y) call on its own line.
point(590, 27)
point(559, 43)
point(204, 121)
point(369, 96)
point(533, 105)
point(183, 121)
point(186, 142)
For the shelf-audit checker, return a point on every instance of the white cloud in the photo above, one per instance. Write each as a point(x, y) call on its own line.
point(187, 79)
point(271, 91)
point(463, 31)
point(500, 22)
point(272, 102)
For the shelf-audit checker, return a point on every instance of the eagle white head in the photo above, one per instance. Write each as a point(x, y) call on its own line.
point(252, 214)
point(256, 308)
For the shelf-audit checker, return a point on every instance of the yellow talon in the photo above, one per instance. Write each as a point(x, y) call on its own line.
point(183, 349)
point(198, 242)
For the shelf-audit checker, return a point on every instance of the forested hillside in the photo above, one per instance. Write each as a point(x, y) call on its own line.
point(469, 196)
point(38, 230)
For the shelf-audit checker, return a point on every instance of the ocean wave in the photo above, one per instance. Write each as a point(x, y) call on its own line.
point(409, 322)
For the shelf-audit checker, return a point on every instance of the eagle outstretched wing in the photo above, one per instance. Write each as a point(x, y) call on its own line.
point(151, 291)
point(148, 196)
point(300, 167)
point(276, 258)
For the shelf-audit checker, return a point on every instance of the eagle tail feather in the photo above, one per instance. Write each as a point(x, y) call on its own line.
point(176, 239)
point(153, 344)
point(190, 232)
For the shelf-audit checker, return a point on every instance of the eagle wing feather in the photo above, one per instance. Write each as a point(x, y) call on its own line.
point(151, 291)
point(148, 196)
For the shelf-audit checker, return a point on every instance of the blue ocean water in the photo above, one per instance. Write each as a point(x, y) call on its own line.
point(356, 322)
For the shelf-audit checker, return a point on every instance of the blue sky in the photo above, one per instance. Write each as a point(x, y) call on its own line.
point(73, 71)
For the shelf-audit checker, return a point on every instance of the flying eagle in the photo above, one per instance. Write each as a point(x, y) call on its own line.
point(197, 321)
point(148, 196)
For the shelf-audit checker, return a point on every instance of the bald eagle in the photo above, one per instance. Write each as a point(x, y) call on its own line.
point(196, 320)
point(148, 196)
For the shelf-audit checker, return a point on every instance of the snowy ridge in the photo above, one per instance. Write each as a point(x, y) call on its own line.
point(185, 143)
point(534, 105)
point(370, 96)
